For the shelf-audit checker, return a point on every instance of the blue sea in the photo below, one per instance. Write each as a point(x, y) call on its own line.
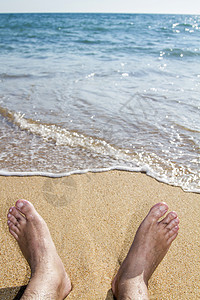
point(95, 92)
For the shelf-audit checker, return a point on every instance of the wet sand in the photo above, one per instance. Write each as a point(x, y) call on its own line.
point(93, 218)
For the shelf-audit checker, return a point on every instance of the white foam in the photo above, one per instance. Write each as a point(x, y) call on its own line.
point(62, 136)
point(145, 169)
point(149, 163)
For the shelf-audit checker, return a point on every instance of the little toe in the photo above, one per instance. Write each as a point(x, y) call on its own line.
point(14, 234)
point(170, 216)
point(157, 211)
point(13, 228)
point(26, 207)
point(173, 236)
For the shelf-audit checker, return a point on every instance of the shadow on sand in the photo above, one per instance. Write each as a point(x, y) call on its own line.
point(12, 293)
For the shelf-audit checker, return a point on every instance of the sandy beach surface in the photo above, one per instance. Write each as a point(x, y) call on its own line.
point(92, 219)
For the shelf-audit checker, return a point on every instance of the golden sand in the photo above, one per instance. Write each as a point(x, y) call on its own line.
point(93, 218)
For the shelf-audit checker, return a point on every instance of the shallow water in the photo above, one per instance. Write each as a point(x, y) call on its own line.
point(101, 91)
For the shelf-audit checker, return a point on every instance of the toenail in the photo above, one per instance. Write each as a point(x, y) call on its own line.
point(8, 222)
point(9, 215)
point(163, 208)
point(10, 209)
point(20, 204)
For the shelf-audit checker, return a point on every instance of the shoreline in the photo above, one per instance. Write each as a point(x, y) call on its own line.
point(142, 170)
point(92, 218)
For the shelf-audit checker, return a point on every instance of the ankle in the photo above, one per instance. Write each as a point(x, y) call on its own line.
point(124, 287)
point(48, 287)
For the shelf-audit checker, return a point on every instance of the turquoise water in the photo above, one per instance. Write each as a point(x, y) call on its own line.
point(83, 92)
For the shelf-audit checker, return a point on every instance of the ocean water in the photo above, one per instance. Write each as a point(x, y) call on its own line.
point(82, 92)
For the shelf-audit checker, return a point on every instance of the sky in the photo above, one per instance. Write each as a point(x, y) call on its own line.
point(123, 6)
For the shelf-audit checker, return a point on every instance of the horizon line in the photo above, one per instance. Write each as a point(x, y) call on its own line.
point(72, 12)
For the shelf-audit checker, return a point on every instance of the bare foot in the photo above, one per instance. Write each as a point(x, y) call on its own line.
point(48, 277)
point(151, 243)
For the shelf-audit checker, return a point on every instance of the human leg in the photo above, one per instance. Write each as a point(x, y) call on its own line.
point(48, 277)
point(151, 243)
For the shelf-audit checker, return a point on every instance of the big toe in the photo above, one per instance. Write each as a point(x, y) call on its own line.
point(157, 211)
point(26, 208)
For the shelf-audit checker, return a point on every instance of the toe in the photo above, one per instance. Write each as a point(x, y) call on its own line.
point(173, 234)
point(12, 219)
point(172, 224)
point(26, 208)
point(13, 233)
point(13, 229)
point(18, 216)
point(10, 212)
point(157, 211)
point(170, 216)
point(172, 231)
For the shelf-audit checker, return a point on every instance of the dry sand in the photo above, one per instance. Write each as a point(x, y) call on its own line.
point(93, 218)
